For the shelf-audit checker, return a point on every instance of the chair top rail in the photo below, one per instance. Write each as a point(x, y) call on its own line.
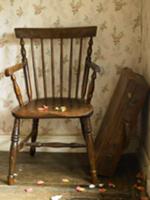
point(66, 32)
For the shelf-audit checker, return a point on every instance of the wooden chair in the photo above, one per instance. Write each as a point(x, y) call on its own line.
point(74, 102)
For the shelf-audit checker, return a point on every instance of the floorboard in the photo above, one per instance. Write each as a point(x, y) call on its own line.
point(52, 168)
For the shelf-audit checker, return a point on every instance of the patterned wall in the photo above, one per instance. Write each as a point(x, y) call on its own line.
point(117, 45)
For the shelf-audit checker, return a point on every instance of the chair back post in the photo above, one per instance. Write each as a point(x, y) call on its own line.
point(26, 70)
point(91, 87)
point(86, 68)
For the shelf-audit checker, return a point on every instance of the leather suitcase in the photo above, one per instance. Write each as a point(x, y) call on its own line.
point(120, 120)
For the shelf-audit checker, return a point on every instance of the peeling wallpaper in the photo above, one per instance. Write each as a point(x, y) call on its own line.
point(117, 45)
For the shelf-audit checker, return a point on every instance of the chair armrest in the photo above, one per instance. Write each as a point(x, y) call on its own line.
point(93, 66)
point(10, 70)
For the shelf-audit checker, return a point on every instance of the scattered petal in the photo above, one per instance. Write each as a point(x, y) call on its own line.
point(40, 182)
point(65, 180)
point(28, 190)
point(101, 185)
point(102, 190)
point(111, 185)
point(15, 174)
point(63, 108)
point(45, 107)
point(91, 186)
point(41, 109)
point(57, 108)
point(140, 188)
point(60, 108)
point(20, 170)
point(56, 197)
point(80, 189)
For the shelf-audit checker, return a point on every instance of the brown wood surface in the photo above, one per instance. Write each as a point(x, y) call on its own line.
point(67, 32)
point(26, 70)
point(70, 69)
point(120, 120)
point(34, 70)
point(74, 108)
point(52, 68)
point(55, 144)
point(17, 90)
point(10, 70)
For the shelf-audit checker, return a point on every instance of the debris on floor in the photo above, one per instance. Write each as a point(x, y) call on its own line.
point(80, 189)
point(28, 190)
point(101, 185)
point(15, 174)
point(140, 186)
point(40, 182)
point(56, 197)
point(102, 190)
point(111, 185)
point(65, 180)
point(92, 186)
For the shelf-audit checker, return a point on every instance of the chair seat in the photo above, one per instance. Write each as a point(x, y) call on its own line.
point(54, 108)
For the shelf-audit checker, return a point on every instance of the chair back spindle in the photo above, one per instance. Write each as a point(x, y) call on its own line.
point(52, 68)
point(79, 68)
point(70, 68)
point(61, 67)
point(43, 69)
point(34, 69)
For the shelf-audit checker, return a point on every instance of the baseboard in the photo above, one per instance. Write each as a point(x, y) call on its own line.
point(145, 165)
point(5, 143)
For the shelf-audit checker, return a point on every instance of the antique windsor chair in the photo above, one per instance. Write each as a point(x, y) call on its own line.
point(53, 103)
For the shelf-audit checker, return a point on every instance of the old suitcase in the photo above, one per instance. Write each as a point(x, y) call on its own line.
point(120, 120)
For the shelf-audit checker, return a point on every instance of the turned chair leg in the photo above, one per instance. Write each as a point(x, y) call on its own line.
point(13, 152)
point(34, 135)
point(87, 133)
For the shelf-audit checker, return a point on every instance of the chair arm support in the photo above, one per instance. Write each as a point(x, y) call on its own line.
point(17, 90)
point(10, 70)
point(93, 66)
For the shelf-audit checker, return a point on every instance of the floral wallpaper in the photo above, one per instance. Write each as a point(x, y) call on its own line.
point(117, 45)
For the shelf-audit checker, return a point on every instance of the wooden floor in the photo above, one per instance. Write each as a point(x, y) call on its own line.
point(53, 167)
